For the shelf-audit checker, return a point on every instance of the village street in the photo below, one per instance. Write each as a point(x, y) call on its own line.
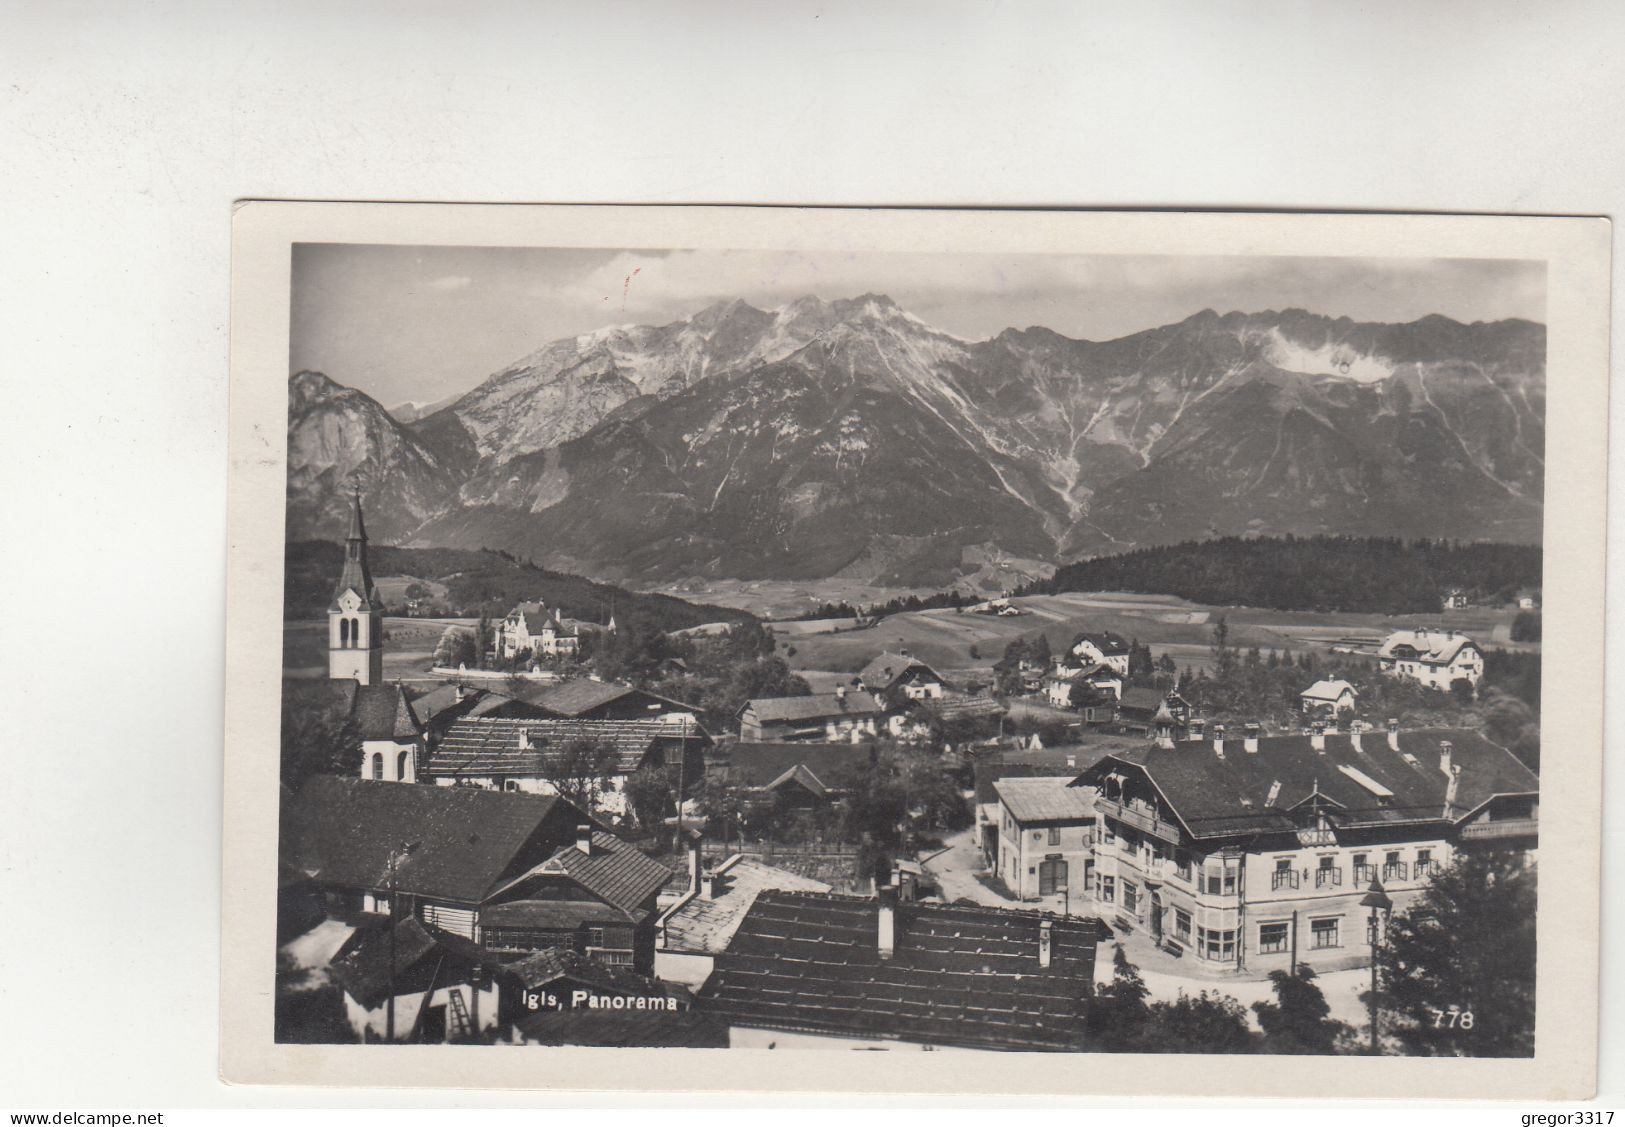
point(960, 874)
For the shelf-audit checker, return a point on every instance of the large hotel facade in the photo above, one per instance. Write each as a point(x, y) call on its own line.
point(1254, 854)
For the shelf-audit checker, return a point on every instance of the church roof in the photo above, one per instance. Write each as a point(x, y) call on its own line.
point(356, 576)
point(382, 712)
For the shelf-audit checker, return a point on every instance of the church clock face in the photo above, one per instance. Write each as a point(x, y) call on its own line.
point(349, 602)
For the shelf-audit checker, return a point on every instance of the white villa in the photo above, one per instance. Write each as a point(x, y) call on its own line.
point(1434, 657)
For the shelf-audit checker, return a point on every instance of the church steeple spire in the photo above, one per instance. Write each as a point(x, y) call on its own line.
point(355, 617)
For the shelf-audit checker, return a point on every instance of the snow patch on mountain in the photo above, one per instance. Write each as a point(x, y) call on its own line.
point(1330, 359)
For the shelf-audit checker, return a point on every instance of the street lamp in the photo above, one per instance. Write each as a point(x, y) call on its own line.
point(1378, 901)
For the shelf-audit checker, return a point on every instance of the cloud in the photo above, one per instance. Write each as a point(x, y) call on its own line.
point(452, 282)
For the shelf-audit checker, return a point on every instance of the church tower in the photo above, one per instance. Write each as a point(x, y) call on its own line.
point(355, 618)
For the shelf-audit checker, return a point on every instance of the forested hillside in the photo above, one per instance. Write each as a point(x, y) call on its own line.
point(491, 583)
point(1317, 573)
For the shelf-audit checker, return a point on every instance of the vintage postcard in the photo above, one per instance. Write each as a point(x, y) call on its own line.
point(676, 648)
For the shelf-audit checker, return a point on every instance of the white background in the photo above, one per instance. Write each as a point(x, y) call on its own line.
point(127, 130)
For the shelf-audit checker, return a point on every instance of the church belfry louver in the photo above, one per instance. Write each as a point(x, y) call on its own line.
point(355, 618)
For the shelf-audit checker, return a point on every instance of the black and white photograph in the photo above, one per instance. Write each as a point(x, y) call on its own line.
point(871, 649)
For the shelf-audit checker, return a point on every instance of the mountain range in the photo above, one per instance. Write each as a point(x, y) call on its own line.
point(850, 438)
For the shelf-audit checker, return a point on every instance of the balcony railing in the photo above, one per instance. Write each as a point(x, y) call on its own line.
point(1511, 827)
point(1395, 870)
point(1146, 823)
point(1316, 837)
point(1283, 878)
point(1328, 878)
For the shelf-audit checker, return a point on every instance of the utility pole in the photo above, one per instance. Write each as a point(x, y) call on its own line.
point(1377, 900)
point(389, 999)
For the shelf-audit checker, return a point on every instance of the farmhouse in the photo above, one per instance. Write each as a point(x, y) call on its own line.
point(1328, 697)
point(534, 756)
point(901, 673)
point(1071, 683)
point(1139, 707)
point(1433, 657)
point(474, 863)
point(586, 698)
point(1454, 599)
point(793, 774)
point(1046, 833)
point(1104, 647)
point(831, 717)
point(1253, 854)
point(403, 981)
point(815, 970)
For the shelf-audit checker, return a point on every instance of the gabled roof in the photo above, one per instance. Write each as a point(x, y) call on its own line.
point(557, 964)
point(1037, 764)
point(887, 668)
point(1138, 698)
point(1328, 691)
point(1045, 799)
point(615, 872)
point(1433, 647)
point(1207, 793)
point(960, 975)
point(701, 925)
point(362, 968)
point(1107, 642)
point(382, 712)
point(462, 840)
point(762, 765)
point(573, 699)
point(819, 706)
point(490, 745)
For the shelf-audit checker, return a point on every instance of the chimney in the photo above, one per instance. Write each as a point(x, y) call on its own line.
point(708, 884)
point(524, 739)
point(1356, 727)
point(1317, 737)
point(886, 938)
point(1450, 789)
point(1046, 929)
point(1445, 748)
point(1196, 728)
point(1218, 740)
point(696, 864)
point(1393, 734)
point(1072, 761)
point(584, 839)
point(1250, 743)
point(840, 694)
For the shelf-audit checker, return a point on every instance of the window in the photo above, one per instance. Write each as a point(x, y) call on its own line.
point(344, 633)
point(1182, 864)
point(1364, 871)
point(1229, 881)
point(1108, 889)
point(1110, 834)
point(1131, 896)
point(1182, 924)
point(377, 766)
point(595, 937)
point(1424, 861)
point(1328, 875)
point(1219, 946)
point(1272, 937)
point(1055, 835)
point(1284, 876)
point(402, 765)
point(1324, 933)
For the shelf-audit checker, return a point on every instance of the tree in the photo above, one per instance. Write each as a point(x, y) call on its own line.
point(581, 771)
point(1299, 1020)
point(1208, 1022)
point(1462, 690)
point(1526, 626)
point(1457, 970)
point(482, 639)
point(456, 648)
point(1224, 658)
point(650, 792)
point(1119, 1014)
point(318, 737)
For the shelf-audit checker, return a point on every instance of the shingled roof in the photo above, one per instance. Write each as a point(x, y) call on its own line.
point(491, 745)
point(556, 964)
point(887, 668)
point(577, 697)
point(763, 765)
point(960, 975)
point(1430, 647)
point(382, 712)
point(1045, 799)
point(615, 871)
point(819, 706)
point(1216, 797)
point(362, 967)
point(462, 840)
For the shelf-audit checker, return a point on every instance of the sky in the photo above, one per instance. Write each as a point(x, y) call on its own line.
point(419, 324)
